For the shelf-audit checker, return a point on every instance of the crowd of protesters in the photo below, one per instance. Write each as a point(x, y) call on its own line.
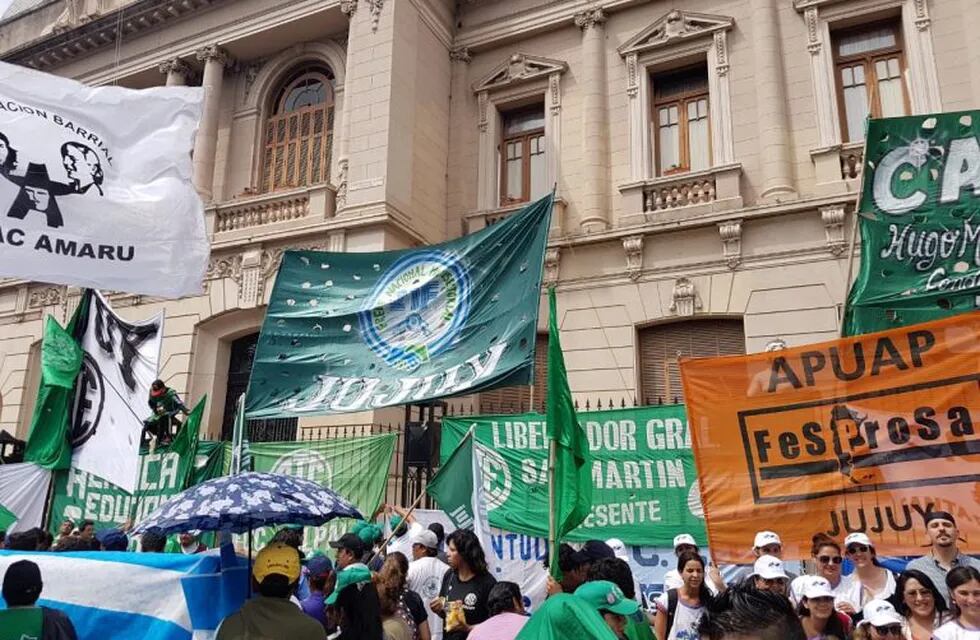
point(419, 584)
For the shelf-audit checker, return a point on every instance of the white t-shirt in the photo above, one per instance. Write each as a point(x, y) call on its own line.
point(672, 580)
point(852, 590)
point(953, 630)
point(685, 619)
point(403, 543)
point(425, 578)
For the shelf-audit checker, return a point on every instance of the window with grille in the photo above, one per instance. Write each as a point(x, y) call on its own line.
point(870, 70)
point(298, 139)
point(661, 347)
point(239, 370)
point(681, 121)
point(523, 174)
point(517, 399)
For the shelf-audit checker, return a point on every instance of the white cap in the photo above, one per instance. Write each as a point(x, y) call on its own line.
point(817, 587)
point(684, 538)
point(426, 538)
point(857, 538)
point(769, 568)
point(766, 537)
point(619, 549)
point(880, 613)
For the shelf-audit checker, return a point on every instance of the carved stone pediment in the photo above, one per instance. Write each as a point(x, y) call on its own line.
point(520, 67)
point(676, 26)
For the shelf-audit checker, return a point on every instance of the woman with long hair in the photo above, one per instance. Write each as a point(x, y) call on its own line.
point(465, 591)
point(679, 610)
point(817, 613)
point(357, 609)
point(964, 591)
point(827, 558)
point(920, 603)
point(507, 616)
point(870, 581)
point(397, 599)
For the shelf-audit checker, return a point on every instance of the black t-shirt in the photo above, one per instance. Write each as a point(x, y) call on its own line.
point(473, 593)
point(413, 602)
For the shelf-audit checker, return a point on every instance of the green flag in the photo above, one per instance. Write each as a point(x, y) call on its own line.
point(356, 331)
point(7, 518)
point(48, 444)
point(920, 228)
point(453, 485)
point(571, 479)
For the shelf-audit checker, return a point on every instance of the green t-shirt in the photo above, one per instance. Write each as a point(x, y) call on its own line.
point(564, 616)
point(639, 629)
point(264, 618)
point(21, 623)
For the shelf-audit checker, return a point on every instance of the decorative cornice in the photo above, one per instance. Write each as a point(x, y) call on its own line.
point(590, 18)
point(633, 246)
point(519, 68)
point(45, 297)
point(833, 224)
point(88, 37)
point(731, 241)
point(676, 26)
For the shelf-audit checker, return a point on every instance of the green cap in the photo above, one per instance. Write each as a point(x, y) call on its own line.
point(353, 574)
point(369, 534)
point(604, 595)
point(356, 529)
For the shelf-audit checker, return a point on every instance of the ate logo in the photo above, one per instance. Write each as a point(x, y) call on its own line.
point(38, 191)
point(308, 465)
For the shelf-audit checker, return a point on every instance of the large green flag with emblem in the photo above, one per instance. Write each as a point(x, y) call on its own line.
point(920, 222)
point(354, 331)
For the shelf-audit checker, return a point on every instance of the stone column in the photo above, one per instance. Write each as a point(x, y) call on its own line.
point(770, 93)
point(177, 72)
point(205, 145)
point(595, 126)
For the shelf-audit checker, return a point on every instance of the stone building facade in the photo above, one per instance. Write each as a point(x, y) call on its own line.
point(704, 153)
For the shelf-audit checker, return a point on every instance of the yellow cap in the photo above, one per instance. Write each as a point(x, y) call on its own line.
point(276, 558)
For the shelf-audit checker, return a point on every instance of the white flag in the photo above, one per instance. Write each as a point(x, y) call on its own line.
point(119, 365)
point(481, 523)
point(95, 185)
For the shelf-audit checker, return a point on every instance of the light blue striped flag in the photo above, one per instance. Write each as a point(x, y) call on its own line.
point(152, 596)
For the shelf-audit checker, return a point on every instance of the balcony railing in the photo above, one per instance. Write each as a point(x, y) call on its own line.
point(262, 210)
point(670, 193)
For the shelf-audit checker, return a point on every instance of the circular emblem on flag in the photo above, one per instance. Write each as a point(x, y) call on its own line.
point(416, 309)
point(496, 476)
point(309, 465)
point(89, 401)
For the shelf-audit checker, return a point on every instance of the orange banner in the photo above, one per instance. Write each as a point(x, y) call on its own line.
point(859, 434)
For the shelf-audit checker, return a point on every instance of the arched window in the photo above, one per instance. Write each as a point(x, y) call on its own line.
point(298, 136)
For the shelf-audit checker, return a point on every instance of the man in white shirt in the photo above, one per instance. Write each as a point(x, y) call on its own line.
point(766, 543)
point(425, 573)
point(672, 579)
point(405, 528)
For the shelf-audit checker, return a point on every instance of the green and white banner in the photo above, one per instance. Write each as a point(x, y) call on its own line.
point(356, 468)
point(79, 495)
point(920, 222)
point(643, 474)
point(354, 331)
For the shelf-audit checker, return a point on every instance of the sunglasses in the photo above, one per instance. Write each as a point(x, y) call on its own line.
point(891, 629)
point(830, 559)
point(857, 548)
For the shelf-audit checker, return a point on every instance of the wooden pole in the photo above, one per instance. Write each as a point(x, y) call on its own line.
point(391, 536)
point(854, 231)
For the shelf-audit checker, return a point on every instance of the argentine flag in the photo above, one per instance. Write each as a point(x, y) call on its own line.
point(152, 596)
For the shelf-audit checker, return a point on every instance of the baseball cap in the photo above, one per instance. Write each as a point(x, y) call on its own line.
point(687, 538)
point(602, 594)
point(618, 548)
point(880, 613)
point(817, 587)
point(857, 538)
point(766, 537)
point(319, 566)
point(113, 540)
point(351, 542)
point(354, 574)
point(360, 524)
point(276, 559)
point(769, 568)
point(596, 550)
point(22, 582)
point(369, 534)
point(426, 538)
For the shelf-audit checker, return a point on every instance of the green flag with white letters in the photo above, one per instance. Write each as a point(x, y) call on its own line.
point(920, 222)
point(356, 331)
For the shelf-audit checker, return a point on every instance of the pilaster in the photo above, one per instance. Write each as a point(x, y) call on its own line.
point(595, 126)
point(215, 60)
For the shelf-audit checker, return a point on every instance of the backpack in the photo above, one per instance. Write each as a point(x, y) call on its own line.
point(706, 600)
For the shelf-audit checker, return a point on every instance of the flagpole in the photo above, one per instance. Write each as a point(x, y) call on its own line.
point(552, 542)
point(854, 233)
point(391, 535)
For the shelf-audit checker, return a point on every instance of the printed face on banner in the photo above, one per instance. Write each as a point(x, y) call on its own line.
point(859, 434)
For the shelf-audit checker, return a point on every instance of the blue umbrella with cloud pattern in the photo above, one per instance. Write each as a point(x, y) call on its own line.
point(243, 502)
